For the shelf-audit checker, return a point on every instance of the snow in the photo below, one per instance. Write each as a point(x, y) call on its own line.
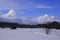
point(29, 34)
point(54, 32)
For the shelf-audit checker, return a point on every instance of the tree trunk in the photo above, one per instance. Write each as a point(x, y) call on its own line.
point(47, 30)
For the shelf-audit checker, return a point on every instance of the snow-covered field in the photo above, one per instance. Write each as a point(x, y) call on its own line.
point(29, 34)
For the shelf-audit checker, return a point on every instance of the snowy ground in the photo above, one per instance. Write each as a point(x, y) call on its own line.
point(29, 34)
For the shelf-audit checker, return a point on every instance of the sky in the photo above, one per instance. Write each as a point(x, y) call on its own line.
point(30, 8)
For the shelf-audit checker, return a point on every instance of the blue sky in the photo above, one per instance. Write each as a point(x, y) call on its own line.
point(31, 8)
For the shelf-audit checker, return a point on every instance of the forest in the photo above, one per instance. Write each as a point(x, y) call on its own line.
point(49, 25)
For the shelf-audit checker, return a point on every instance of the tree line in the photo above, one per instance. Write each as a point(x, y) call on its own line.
point(49, 25)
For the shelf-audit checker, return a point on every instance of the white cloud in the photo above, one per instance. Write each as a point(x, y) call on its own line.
point(41, 19)
point(41, 6)
point(45, 18)
point(10, 15)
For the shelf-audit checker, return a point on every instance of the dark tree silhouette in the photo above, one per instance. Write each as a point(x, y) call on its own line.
point(48, 25)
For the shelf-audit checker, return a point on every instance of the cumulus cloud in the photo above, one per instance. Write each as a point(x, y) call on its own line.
point(11, 14)
point(45, 18)
point(41, 6)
